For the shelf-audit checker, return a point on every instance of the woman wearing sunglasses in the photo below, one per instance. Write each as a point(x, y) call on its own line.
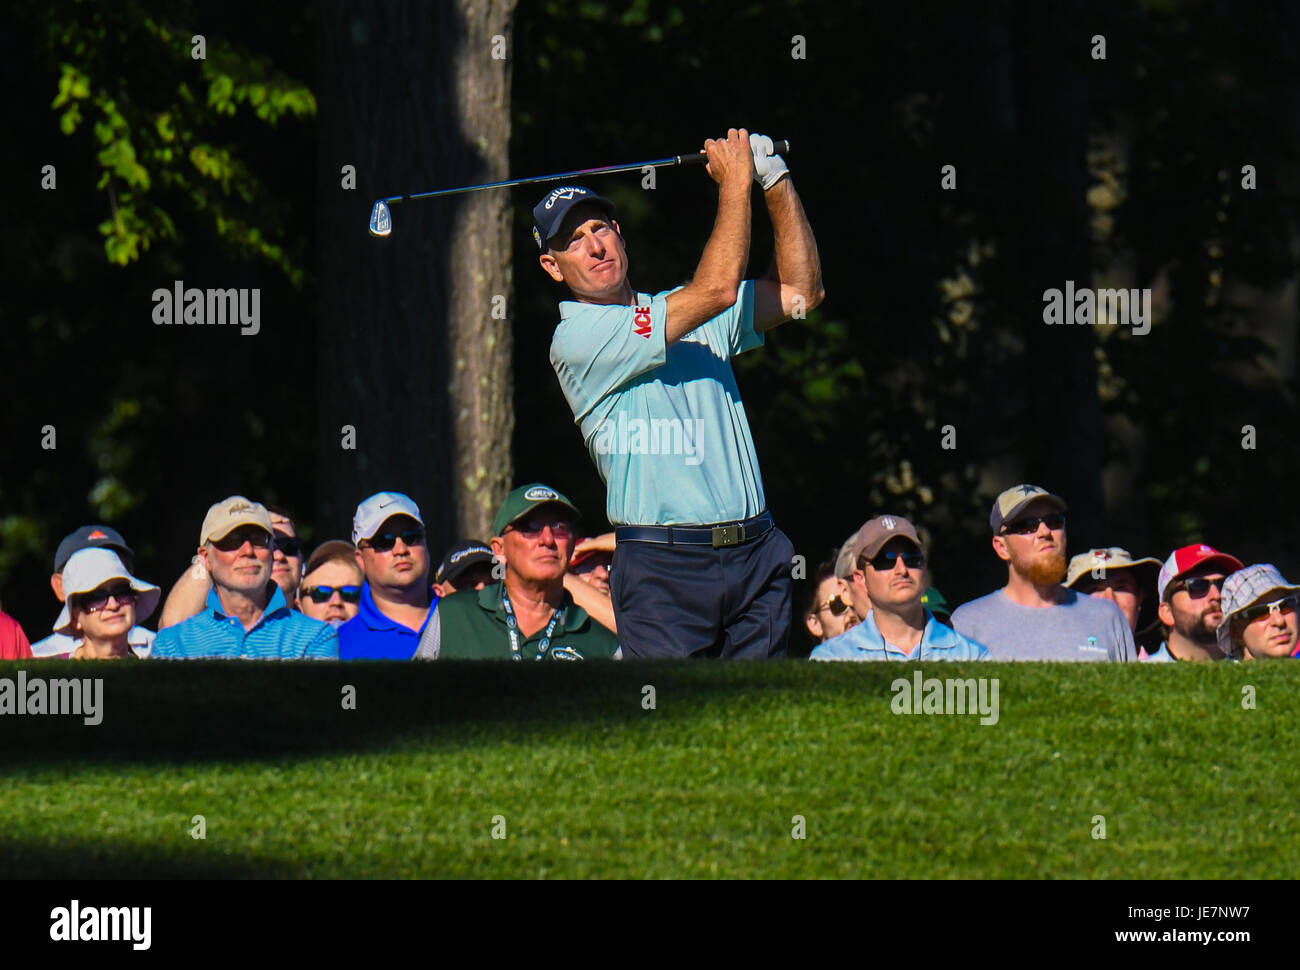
point(104, 601)
point(1259, 615)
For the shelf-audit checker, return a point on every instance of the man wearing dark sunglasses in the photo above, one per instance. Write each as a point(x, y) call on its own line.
point(531, 614)
point(1035, 617)
point(246, 615)
point(396, 598)
point(890, 564)
point(1190, 588)
point(1259, 615)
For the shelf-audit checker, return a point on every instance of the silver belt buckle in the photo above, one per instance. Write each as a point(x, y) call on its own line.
point(727, 535)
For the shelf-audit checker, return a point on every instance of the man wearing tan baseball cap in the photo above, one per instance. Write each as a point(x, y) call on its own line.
point(1034, 617)
point(890, 567)
point(246, 614)
point(1111, 573)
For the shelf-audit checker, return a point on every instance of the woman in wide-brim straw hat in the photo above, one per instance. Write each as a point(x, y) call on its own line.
point(104, 601)
point(1259, 614)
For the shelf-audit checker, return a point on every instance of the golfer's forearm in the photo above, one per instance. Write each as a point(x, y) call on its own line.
point(798, 263)
point(727, 252)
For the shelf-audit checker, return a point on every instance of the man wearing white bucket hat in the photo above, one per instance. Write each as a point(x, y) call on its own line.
point(1259, 614)
point(104, 601)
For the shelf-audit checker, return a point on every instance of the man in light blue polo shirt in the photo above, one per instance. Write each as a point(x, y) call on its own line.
point(246, 615)
point(396, 598)
point(699, 569)
point(890, 562)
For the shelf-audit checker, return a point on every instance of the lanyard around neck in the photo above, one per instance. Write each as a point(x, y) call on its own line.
point(512, 627)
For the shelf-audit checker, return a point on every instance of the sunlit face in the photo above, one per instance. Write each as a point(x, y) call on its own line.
point(331, 575)
point(1272, 633)
point(595, 570)
point(286, 563)
point(1037, 556)
point(240, 561)
point(589, 256)
point(824, 621)
point(97, 615)
point(1196, 618)
point(894, 585)
point(537, 546)
point(1119, 586)
point(397, 555)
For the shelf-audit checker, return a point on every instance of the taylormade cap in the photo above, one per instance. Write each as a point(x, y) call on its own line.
point(1015, 500)
point(1111, 558)
point(1184, 560)
point(873, 535)
point(526, 498)
point(229, 514)
point(89, 569)
point(462, 557)
point(374, 511)
point(90, 537)
point(550, 212)
point(1244, 587)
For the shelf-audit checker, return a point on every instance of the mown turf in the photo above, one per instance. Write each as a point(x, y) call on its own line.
point(590, 784)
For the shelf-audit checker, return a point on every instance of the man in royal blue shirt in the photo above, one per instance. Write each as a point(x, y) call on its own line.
point(396, 598)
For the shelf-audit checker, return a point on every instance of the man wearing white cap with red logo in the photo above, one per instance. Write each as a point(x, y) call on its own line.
point(1190, 588)
point(1034, 617)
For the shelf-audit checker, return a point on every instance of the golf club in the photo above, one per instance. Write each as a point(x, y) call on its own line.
point(381, 220)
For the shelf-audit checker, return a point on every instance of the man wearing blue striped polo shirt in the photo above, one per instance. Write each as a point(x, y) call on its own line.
point(699, 568)
point(246, 615)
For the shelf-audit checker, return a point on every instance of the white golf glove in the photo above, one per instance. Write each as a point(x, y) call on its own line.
point(768, 168)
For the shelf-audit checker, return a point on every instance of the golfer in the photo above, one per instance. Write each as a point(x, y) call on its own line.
point(699, 568)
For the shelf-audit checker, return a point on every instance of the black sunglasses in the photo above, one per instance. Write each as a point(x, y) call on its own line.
point(1198, 587)
point(885, 559)
point(384, 541)
point(94, 602)
point(322, 594)
point(289, 545)
point(1024, 527)
point(260, 538)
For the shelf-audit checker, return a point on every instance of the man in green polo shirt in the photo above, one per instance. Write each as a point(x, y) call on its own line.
point(528, 614)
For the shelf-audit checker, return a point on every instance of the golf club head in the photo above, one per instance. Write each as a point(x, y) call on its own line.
point(381, 220)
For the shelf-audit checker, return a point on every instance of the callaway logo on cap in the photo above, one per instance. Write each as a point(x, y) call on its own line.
point(567, 192)
point(549, 213)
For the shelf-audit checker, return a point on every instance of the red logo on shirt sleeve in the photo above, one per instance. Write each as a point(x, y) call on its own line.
point(641, 325)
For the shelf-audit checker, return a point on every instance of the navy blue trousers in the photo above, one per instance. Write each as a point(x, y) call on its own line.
point(675, 601)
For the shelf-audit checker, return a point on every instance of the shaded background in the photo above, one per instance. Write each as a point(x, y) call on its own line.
point(1125, 172)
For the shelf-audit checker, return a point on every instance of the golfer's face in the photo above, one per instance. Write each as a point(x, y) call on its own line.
point(592, 261)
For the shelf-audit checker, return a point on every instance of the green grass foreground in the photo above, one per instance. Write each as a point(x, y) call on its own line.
point(591, 784)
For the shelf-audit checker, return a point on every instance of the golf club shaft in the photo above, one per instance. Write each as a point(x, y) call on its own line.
point(694, 158)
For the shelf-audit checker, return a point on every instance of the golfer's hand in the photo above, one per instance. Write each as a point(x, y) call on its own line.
point(730, 158)
point(768, 168)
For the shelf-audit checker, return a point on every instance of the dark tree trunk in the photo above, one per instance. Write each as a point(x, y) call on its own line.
point(410, 354)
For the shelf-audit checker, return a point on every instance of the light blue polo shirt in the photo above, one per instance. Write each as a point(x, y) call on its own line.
point(279, 634)
point(864, 642)
point(664, 425)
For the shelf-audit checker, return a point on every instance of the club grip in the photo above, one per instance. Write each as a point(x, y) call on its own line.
point(699, 158)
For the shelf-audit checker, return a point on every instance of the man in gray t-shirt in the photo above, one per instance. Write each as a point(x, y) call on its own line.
point(1034, 617)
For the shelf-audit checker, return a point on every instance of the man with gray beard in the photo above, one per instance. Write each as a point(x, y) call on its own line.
point(1034, 617)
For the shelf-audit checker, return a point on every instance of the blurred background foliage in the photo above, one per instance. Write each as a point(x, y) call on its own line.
point(1122, 172)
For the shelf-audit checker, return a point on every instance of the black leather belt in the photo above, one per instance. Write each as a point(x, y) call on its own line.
point(718, 536)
